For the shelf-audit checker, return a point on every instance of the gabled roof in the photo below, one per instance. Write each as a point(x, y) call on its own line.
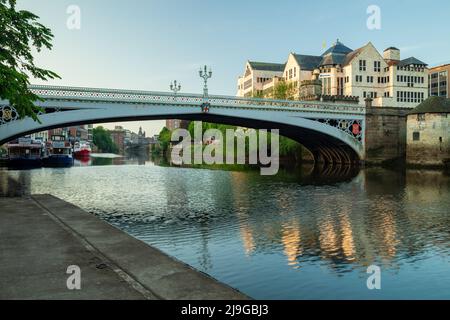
point(433, 105)
point(307, 62)
point(411, 60)
point(333, 59)
point(349, 57)
point(267, 66)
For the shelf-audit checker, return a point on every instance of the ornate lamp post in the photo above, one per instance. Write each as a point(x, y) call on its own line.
point(175, 87)
point(205, 74)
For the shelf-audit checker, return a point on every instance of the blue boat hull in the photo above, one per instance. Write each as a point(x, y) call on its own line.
point(26, 163)
point(58, 161)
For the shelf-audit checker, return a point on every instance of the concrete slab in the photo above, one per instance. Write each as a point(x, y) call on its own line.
point(40, 236)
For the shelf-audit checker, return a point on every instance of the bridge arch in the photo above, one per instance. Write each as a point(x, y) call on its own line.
point(307, 123)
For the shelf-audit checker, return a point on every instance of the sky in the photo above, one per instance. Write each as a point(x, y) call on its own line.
point(144, 45)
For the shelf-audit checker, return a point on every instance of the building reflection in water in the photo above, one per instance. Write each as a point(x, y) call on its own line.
point(291, 240)
point(348, 245)
point(365, 221)
point(239, 183)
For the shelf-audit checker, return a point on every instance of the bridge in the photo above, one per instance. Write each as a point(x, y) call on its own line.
point(333, 132)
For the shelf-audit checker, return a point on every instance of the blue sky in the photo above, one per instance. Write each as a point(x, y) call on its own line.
point(141, 44)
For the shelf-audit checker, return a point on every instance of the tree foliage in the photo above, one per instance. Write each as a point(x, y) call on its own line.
point(283, 91)
point(102, 139)
point(20, 32)
point(164, 139)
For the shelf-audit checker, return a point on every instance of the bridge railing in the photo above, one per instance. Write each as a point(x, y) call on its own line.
point(143, 97)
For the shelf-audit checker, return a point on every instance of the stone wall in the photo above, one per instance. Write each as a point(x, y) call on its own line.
point(385, 134)
point(428, 139)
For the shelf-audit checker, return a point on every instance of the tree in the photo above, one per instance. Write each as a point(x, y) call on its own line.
point(20, 31)
point(102, 139)
point(284, 91)
point(165, 137)
point(258, 94)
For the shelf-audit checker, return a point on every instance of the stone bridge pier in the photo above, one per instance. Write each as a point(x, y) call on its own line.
point(385, 134)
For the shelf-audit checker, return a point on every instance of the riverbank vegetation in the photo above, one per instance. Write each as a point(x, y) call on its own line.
point(102, 139)
point(288, 148)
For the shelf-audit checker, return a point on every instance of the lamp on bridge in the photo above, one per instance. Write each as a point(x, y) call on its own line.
point(205, 74)
point(175, 87)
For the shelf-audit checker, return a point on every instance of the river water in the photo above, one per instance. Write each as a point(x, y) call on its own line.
point(301, 234)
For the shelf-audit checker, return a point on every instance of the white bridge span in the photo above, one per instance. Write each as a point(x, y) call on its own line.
point(333, 132)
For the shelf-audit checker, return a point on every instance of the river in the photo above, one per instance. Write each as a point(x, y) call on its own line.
point(298, 235)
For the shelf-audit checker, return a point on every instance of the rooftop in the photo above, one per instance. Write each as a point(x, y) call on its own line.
point(337, 48)
point(336, 54)
point(267, 66)
point(445, 65)
point(411, 60)
point(391, 48)
point(433, 105)
point(307, 62)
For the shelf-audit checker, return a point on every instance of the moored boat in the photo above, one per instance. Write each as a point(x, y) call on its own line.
point(82, 149)
point(25, 153)
point(59, 153)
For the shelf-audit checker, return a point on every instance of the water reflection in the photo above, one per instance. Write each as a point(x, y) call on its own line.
point(301, 234)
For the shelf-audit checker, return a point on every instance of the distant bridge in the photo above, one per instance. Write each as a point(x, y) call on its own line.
point(333, 132)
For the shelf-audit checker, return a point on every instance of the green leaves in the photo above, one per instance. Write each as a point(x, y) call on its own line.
point(102, 139)
point(20, 31)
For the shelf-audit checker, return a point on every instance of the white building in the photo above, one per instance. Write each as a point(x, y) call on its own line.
point(255, 75)
point(43, 136)
point(363, 73)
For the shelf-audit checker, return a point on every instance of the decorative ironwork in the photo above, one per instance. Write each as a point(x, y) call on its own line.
point(205, 74)
point(175, 87)
point(8, 114)
point(354, 128)
point(146, 97)
point(348, 118)
point(205, 107)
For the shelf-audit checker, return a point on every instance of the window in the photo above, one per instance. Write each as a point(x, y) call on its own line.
point(370, 79)
point(416, 136)
point(358, 78)
point(362, 65)
point(377, 66)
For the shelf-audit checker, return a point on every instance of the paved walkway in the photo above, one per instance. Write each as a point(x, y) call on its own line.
point(41, 236)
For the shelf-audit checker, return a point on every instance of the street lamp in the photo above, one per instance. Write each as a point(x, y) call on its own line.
point(205, 74)
point(175, 87)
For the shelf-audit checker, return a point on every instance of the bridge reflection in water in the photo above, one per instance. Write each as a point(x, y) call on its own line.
point(295, 235)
